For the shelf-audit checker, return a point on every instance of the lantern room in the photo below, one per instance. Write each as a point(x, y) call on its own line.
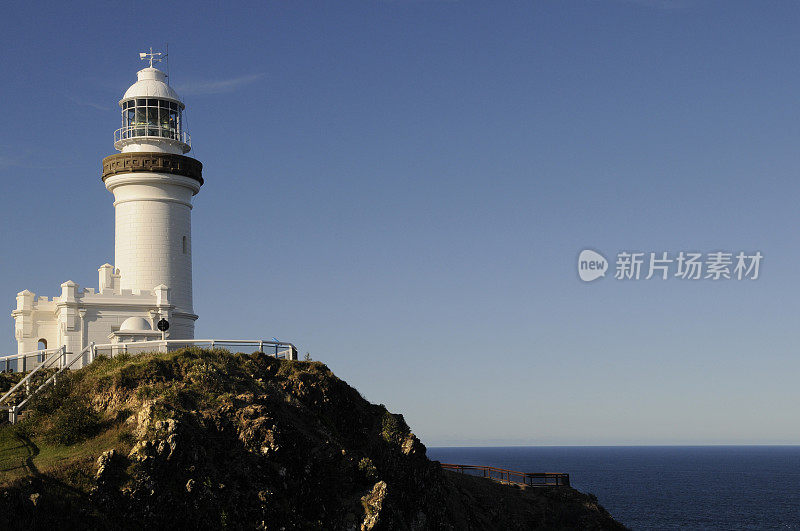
point(152, 116)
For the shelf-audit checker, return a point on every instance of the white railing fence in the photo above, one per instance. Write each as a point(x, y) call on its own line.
point(26, 361)
point(56, 359)
point(278, 349)
point(63, 360)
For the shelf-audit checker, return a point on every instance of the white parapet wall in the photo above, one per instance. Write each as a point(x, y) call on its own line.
point(82, 316)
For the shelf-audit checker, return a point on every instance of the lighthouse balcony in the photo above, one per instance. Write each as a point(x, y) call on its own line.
point(133, 134)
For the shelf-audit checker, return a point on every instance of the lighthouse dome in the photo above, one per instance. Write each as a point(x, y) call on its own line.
point(152, 116)
point(135, 324)
point(152, 83)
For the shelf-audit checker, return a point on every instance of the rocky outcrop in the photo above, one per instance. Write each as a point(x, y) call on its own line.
point(217, 440)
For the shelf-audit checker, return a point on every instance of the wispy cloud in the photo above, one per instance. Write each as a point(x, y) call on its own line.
point(17, 160)
point(220, 86)
point(91, 104)
point(23, 160)
point(36, 157)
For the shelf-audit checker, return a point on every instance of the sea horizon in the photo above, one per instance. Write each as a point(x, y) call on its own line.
point(666, 486)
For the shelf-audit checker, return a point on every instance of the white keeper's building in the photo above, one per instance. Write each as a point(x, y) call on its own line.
point(153, 183)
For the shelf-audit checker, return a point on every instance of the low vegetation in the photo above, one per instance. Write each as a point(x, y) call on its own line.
point(213, 439)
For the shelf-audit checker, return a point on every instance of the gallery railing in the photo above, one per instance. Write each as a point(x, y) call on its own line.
point(150, 130)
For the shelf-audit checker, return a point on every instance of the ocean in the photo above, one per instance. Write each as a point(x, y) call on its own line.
point(667, 487)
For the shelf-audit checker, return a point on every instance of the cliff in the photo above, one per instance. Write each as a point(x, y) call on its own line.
point(210, 439)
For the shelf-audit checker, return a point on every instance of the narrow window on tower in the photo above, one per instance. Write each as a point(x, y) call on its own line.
point(185, 250)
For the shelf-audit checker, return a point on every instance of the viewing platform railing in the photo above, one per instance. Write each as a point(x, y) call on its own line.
point(512, 477)
point(25, 362)
point(56, 359)
point(279, 349)
point(63, 360)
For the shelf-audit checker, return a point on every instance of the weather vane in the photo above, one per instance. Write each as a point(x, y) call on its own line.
point(152, 57)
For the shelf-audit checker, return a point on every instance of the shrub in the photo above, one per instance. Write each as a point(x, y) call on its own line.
point(367, 467)
point(73, 422)
point(52, 396)
point(205, 376)
point(391, 427)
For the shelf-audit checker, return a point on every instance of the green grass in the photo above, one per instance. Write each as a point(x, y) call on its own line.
point(13, 453)
point(56, 460)
point(64, 433)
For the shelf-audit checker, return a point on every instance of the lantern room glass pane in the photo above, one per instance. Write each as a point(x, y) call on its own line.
point(152, 121)
point(163, 120)
point(151, 117)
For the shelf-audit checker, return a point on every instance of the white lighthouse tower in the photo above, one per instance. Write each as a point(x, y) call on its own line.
point(153, 183)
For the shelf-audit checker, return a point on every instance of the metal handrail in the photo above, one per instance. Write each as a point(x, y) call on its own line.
point(18, 407)
point(139, 345)
point(6, 360)
point(11, 357)
point(56, 355)
point(550, 479)
point(289, 351)
point(176, 341)
point(138, 131)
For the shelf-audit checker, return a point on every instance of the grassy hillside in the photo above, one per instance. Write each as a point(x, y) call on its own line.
point(213, 439)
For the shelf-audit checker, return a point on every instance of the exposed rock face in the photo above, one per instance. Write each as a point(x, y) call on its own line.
point(373, 504)
point(216, 440)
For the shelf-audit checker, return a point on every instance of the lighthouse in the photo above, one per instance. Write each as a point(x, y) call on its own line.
point(153, 182)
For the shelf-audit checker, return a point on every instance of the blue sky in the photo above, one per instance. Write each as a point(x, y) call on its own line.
point(402, 189)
